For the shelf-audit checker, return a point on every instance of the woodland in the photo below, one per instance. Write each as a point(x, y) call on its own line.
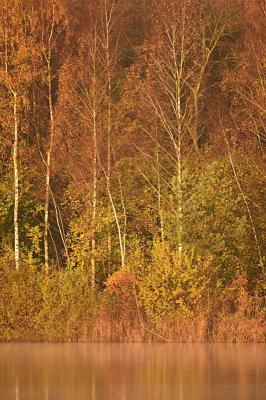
point(132, 138)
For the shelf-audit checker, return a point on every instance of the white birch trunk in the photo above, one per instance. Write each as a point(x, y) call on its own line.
point(48, 167)
point(49, 152)
point(15, 156)
point(94, 200)
point(108, 143)
point(94, 196)
point(178, 112)
point(179, 175)
point(108, 19)
point(16, 188)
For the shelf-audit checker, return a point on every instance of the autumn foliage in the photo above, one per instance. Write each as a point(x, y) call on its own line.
point(132, 170)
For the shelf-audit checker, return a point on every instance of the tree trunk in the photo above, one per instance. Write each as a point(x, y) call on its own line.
point(179, 175)
point(49, 151)
point(16, 192)
point(48, 166)
point(109, 148)
point(94, 195)
point(159, 185)
point(108, 17)
point(94, 200)
point(15, 153)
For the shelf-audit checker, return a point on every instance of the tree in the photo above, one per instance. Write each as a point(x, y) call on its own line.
point(173, 71)
point(242, 123)
point(53, 24)
point(20, 55)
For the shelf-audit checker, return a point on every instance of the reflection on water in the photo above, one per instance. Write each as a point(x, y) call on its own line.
point(17, 388)
point(132, 372)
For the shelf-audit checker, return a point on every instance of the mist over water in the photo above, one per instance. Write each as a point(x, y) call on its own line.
point(132, 371)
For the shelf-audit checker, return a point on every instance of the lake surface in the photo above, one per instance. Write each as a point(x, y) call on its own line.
point(132, 371)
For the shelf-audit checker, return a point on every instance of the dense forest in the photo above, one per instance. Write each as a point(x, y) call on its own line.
point(132, 170)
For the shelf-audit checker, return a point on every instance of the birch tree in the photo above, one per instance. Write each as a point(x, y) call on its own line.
point(173, 67)
point(87, 96)
point(19, 55)
point(111, 15)
point(90, 81)
point(52, 27)
point(108, 24)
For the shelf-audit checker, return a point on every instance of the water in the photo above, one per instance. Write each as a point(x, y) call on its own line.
point(132, 371)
